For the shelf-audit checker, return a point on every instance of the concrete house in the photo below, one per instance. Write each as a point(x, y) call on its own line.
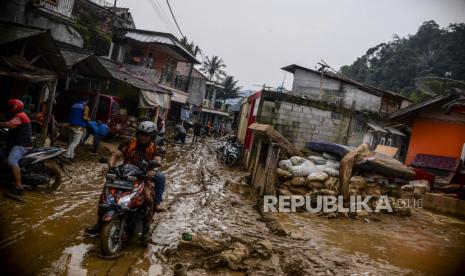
point(362, 106)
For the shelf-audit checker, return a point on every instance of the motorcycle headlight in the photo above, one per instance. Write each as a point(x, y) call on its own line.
point(124, 200)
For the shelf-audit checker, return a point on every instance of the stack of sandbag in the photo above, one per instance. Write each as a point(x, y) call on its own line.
point(317, 174)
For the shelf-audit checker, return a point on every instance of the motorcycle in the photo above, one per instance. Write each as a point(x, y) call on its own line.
point(123, 204)
point(230, 151)
point(36, 171)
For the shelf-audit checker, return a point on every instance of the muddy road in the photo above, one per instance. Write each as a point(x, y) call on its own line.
point(45, 235)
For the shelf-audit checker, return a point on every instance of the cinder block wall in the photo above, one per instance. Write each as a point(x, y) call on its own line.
point(334, 91)
point(301, 123)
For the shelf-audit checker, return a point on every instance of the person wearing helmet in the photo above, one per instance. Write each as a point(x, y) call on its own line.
point(19, 139)
point(133, 151)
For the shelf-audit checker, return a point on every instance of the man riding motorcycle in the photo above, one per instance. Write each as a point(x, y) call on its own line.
point(19, 139)
point(133, 151)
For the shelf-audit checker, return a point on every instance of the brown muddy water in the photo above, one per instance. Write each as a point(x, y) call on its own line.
point(45, 235)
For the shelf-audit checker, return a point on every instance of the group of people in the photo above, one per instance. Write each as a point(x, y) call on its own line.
point(81, 127)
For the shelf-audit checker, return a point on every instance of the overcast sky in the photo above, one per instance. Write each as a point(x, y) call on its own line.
point(255, 38)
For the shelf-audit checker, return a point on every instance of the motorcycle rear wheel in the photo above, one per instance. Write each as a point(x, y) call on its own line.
point(54, 180)
point(110, 238)
point(229, 160)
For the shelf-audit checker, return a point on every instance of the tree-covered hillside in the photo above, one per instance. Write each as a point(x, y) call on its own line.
point(394, 65)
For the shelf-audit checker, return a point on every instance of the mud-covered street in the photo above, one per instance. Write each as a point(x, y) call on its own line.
point(45, 235)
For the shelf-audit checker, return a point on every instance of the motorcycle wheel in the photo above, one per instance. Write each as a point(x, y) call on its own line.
point(54, 179)
point(229, 160)
point(111, 242)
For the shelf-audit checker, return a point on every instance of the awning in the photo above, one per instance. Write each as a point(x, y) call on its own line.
point(394, 131)
point(178, 95)
point(376, 127)
point(19, 67)
point(150, 99)
point(213, 111)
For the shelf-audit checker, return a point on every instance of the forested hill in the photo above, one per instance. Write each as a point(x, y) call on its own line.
point(394, 65)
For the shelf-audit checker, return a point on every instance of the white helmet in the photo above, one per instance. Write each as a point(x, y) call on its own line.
point(147, 127)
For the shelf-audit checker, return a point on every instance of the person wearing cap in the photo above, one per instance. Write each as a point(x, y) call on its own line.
point(19, 139)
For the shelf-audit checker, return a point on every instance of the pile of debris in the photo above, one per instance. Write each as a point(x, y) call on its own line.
point(368, 174)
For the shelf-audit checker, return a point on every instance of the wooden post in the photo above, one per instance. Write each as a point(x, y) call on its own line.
point(257, 159)
point(48, 110)
point(269, 187)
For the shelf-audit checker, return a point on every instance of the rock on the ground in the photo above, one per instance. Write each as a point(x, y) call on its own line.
point(263, 249)
point(283, 175)
point(200, 242)
point(234, 255)
point(317, 176)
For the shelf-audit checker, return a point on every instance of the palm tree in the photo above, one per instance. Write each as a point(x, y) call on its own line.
point(213, 67)
point(190, 46)
point(230, 90)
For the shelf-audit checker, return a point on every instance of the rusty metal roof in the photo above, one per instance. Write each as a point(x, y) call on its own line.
point(167, 39)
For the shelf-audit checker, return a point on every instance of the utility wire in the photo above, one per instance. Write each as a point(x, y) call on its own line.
point(174, 17)
point(162, 15)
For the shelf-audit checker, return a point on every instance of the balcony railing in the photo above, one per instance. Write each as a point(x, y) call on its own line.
point(63, 7)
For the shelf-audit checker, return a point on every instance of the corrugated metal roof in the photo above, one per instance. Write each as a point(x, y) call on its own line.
point(149, 38)
point(120, 73)
point(159, 38)
point(394, 131)
point(10, 32)
point(376, 127)
point(72, 57)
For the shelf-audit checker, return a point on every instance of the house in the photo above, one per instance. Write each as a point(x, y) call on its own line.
point(154, 57)
point(96, 19)
point(54, 15)
point(366, 105)
point(30, 66)
point(437, 126)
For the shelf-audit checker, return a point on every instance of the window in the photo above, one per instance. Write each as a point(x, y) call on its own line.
point(389, 142)
point(383, 141)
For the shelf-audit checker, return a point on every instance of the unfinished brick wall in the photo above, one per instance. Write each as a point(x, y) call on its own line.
point(301, 123)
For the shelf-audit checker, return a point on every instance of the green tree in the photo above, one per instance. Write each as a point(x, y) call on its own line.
point(230, 90)
point(213, 67)
point(395, 65)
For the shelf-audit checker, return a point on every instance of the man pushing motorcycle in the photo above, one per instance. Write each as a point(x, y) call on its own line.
point(133, 151)
point(19, 139)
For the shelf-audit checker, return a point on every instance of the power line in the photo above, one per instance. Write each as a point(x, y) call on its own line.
point(174, 17)
point(162, 15)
